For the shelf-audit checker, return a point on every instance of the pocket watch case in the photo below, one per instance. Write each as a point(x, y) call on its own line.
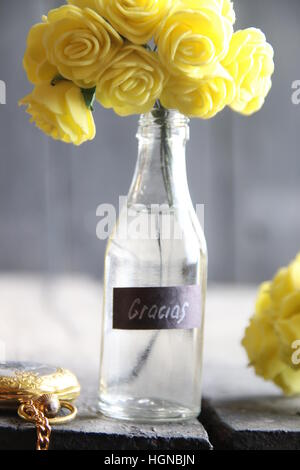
point(22, 381)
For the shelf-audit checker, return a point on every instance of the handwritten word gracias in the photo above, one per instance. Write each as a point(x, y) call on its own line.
point(140, 311)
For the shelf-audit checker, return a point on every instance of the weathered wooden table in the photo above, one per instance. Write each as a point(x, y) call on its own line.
point(58, 322)
point(91, 431)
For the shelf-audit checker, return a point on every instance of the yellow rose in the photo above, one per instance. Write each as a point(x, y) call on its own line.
point(136, 20)
point(194, 38)
point(80, 43)
point(202, 98)
point(35, 61)
point(250, 62)
point(274, 327)
point(132, 82)
point(263, 347)
point(61, 112)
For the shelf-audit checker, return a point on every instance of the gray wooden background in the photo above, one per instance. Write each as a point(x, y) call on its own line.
point(245, 170)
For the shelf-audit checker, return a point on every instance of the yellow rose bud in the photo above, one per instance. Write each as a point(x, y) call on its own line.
point(202, 98)
point(80, 43)
point(136, 20)
point(132, 82)
point(194, 38)
point(35, 61)
point(250, 62)
point(60, 112)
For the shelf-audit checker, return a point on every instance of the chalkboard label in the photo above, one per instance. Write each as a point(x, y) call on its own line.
point(157, 308)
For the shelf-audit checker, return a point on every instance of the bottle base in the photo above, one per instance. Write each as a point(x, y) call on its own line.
point(147, 410)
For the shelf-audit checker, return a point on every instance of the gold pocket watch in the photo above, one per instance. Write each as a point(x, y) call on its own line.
point(39, 393)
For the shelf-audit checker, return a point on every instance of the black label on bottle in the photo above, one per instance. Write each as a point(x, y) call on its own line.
point(157, 308)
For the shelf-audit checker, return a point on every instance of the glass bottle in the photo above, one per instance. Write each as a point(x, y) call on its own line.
point(149, 373)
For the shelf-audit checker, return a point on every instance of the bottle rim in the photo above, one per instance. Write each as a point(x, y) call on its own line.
point(160, 117)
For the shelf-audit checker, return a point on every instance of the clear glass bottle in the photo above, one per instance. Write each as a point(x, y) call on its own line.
point(154, 375)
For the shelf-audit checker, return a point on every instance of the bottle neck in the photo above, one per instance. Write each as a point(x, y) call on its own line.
point(160, 174)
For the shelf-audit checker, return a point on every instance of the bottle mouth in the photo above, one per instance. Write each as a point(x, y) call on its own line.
point(160, 119)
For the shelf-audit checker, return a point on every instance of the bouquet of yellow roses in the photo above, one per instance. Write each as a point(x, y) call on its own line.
point(131, 54)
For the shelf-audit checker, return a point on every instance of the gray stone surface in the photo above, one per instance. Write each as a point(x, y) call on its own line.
point(261, 423)
point(244, 415)
point(91, 431)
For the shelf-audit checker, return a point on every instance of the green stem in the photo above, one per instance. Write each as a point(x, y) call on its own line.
point(160, 114)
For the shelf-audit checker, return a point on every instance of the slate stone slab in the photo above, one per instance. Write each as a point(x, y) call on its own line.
point(248, 414)
point(91, 431)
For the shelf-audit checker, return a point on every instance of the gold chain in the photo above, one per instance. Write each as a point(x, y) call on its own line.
point(43, 428)
point(43, 411)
